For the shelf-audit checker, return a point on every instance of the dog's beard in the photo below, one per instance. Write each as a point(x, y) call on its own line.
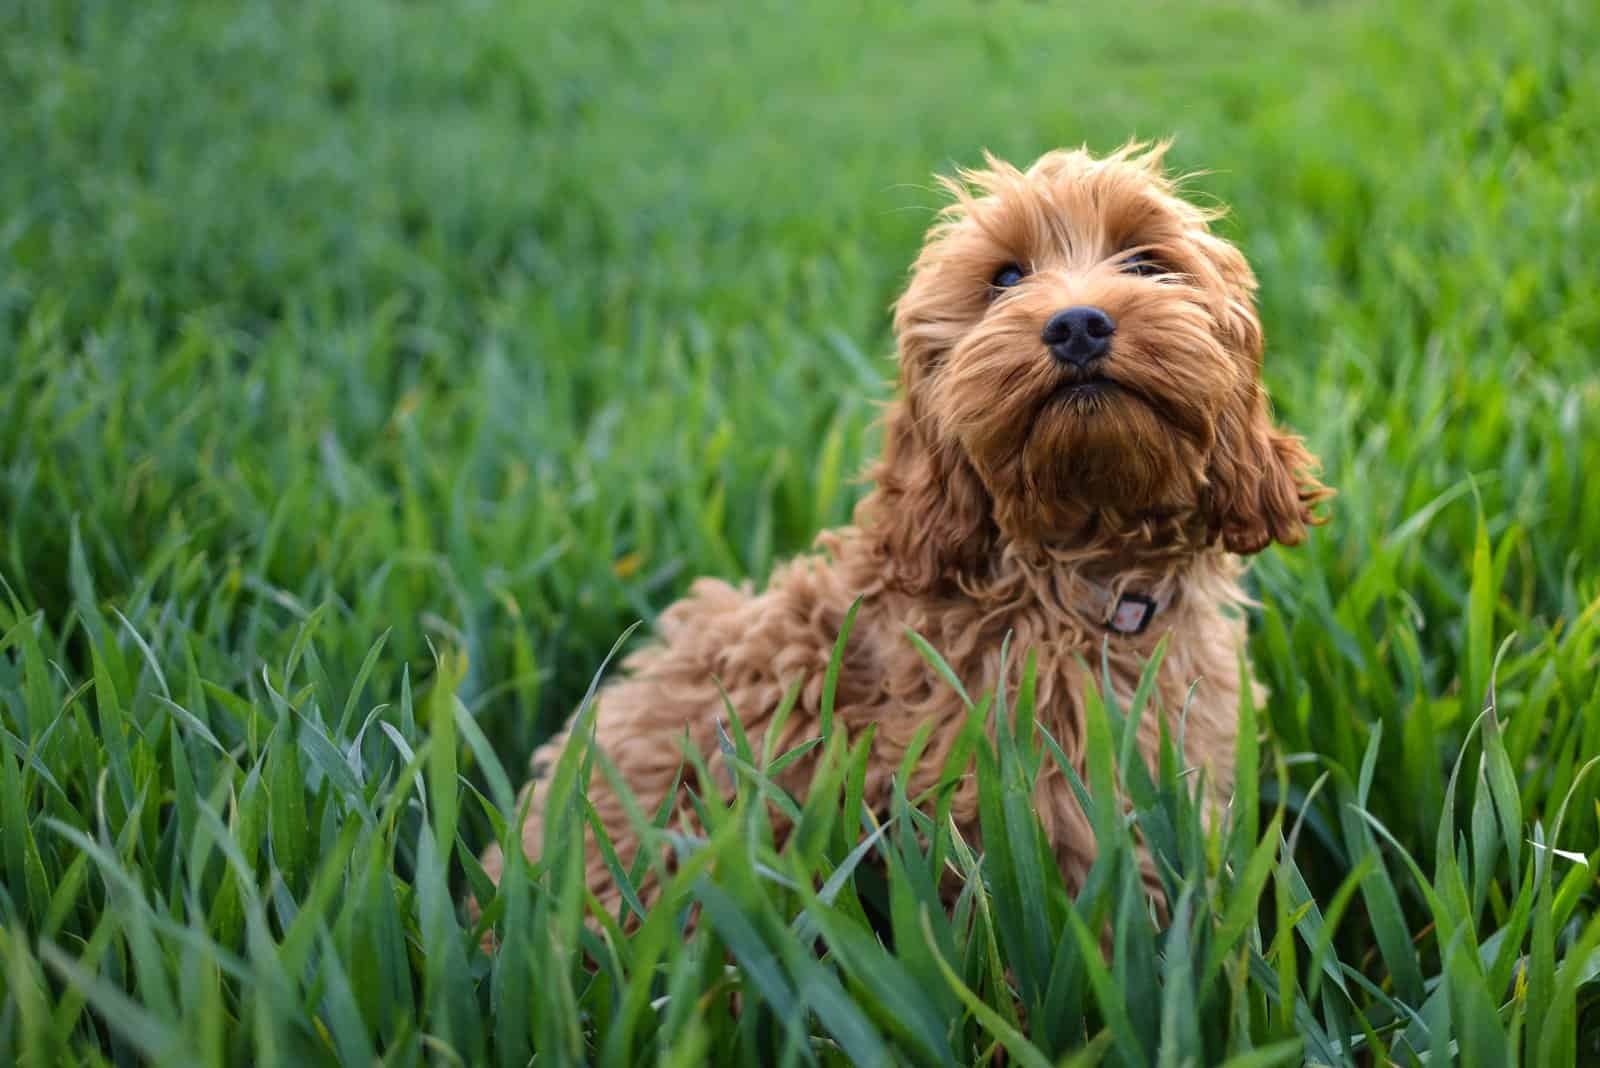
point(1056, 445)
point(1106, 448)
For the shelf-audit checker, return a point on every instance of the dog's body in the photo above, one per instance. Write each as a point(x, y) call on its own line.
point(1080, 449)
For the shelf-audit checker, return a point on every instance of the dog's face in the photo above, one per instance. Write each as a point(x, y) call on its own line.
point(1077, 341)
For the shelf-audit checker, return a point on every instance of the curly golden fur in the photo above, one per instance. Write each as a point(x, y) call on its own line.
point(1017, 493)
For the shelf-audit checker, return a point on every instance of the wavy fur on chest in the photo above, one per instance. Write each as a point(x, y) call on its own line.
point(758, 645)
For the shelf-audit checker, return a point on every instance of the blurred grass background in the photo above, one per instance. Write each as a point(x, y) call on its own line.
point(493, 324)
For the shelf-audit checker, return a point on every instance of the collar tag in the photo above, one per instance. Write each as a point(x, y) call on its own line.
point(1133, 614)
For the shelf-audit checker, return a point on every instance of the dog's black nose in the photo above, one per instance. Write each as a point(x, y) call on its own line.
point(1079, 334)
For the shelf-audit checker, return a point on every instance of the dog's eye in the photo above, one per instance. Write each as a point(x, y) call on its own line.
point(1141, 263)
point(1008, 276)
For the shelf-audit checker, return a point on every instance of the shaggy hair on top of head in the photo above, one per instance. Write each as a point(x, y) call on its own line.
point(1079, 449)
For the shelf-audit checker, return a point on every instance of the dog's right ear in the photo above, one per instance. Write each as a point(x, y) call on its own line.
point(929, 517)
point(929, 520)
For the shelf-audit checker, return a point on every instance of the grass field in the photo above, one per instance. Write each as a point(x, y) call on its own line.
point(367, 368)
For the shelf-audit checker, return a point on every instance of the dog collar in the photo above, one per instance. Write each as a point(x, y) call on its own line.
point(1127, 613)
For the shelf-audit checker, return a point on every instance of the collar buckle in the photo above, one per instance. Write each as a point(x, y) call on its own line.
point(1132, 615)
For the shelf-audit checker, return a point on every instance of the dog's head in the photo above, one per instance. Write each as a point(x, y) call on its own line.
point(1080, 358)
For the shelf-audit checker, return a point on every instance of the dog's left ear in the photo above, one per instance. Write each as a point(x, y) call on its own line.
point(1262, 480)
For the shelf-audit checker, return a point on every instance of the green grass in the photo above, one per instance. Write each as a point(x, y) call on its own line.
point(367, 368)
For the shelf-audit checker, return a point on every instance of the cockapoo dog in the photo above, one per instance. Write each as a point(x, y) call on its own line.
point(1079, 451)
